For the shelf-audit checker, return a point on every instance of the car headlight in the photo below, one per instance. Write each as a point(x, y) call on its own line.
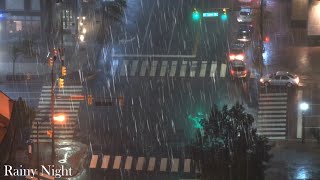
point(296, 80)
point(261, 80)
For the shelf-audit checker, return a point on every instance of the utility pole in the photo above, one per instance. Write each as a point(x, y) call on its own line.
point(52, 110)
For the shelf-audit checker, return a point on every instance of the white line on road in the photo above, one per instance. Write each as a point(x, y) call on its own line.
point(299, 116)
point(153, 55)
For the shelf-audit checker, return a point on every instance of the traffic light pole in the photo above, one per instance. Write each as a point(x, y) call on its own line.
point(52, 113)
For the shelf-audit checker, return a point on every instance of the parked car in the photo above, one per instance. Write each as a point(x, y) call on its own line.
point(245, 14)
point(238, 69)
point(237, 52)
point(280, 78)
point(243, 36)
point(246, 27)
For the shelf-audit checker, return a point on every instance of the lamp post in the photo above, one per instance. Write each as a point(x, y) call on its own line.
point(303, 107)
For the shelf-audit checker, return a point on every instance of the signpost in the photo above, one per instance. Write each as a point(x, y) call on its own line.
point(210, 14)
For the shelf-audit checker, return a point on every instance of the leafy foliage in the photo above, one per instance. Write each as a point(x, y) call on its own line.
point(228, 147)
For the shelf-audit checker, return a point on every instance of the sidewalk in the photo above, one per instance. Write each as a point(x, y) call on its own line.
point(69, 154)
point(294, 160)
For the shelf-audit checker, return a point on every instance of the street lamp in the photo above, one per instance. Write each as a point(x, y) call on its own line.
point(303, 107)
point(81, 37)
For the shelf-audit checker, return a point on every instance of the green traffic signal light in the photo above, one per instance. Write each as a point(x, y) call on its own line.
point(224, 17)
point(195, 15)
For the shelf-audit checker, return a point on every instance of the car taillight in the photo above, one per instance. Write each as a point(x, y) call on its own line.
point(245, 71)
point(232, 56)
point(232, 71)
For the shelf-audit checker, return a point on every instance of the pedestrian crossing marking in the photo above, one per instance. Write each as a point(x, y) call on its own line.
point(144, 68)
point(153, 68)
point(128, 163)
point(134, 68)
point(183, 68)
point(140, 163)
point(193, 68)
point(203, 69)
point(273, 107)
point(163, 69)
point(117, 161)
point(124, 68)
point(94, 161)
point(163, 164)
point(151, 165)
point(213, 69)
point(105, 162)
point(223, 70)
point(173, 68)
point(186, 167)
point(174, 165)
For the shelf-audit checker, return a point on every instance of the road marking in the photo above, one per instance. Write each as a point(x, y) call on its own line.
point(276, 138)
point(299, 118)
point(153, 55)
point(173, 68)
point(143, 68)
point(183, 68)
point(272, 116)
point(105, 162)
point(272, 103)
point(276, 111)
point(271, 129)
point(271, 120)
point(223, 70)
point(273, 107)
point(186, 167)
point(275, 124)
point(134, 68)
point(174, 165)
point(117, 161)
point(163, 69)
point(203, 69)
point(152, 162)
point(273, 94)
point(66, 87)
point(163, 164)
point(193, 68)
point(153, 68)
point(140, 163)
point(213, 69)
point(124, 68)
point(94, 160)
point(128, 163)
point(273, 98)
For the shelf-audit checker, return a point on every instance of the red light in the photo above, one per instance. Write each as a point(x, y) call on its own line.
point(232, 71)
point(267, 39)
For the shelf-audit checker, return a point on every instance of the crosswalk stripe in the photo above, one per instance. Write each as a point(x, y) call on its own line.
point(273, 94)
point(213, 69)
point(271, 129)
point(267, 125)
point(276, 137)
point(271, 133)
point(134, 68)
point(73, 110)
point(55, 136)
point(272, 107)
point(57, 106)
point(140, 163)
point(163, 69)
point(153, 68)
point(117, 161)
point(272, 112)
point(174, 165)
point(60, 102)
point(271, 120)
point(173, 68)
point(272, 98)
point(272, 103)
point(62, 91)
point(143, 68)
point(151, 164)
point(203, 69)
point(223, 70)
point(186, 167)
point(271, 116)
point(128, 163)
point(105, 162)
point(42, 114)
point(194, 65)
point(124, 68)
point(183, 69)
point(163, 164)
point(93, 162)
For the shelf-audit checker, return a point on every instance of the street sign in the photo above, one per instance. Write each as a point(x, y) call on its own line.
point(210, 14)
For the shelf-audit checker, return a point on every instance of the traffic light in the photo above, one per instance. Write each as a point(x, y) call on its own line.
point(224, 16)
point(196, 15)
point(266, 39)
point(50, 61)
point(63, 71)
point(89, 99)
point(49, 133)
point(61, 82)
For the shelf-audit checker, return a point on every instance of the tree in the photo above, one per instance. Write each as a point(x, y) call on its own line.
point(228, 147)
point(25, 48)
